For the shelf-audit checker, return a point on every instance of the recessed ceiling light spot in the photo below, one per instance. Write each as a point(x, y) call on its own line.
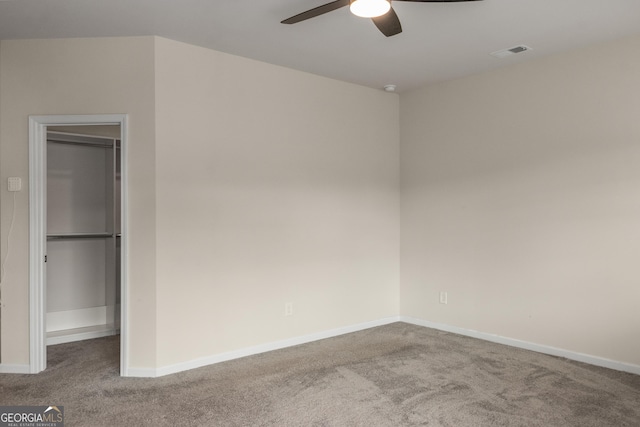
point(510, 51)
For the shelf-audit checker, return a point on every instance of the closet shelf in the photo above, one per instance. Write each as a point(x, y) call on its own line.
point(60, 236)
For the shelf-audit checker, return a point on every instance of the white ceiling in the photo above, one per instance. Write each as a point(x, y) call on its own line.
point(440, 40)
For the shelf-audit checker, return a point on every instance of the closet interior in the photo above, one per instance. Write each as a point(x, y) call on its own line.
point(83, 233)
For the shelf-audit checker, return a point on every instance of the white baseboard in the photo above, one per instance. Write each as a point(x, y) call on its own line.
point(553, 351)
point(140, 373)
point(14, 369)
point(79, 318)
point(277, 345)
point(80, 334)
point(250, 351)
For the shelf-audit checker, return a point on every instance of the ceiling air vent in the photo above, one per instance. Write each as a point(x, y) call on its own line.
point(511, 51)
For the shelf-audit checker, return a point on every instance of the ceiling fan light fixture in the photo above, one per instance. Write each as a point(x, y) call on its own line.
point(369, 8)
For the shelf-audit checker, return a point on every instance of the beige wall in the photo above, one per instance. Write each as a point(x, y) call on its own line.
point(521, 199)
point(273, 186)
point(78, 76)
point(250, 186)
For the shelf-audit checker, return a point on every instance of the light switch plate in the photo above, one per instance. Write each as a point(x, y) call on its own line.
point(15, 184)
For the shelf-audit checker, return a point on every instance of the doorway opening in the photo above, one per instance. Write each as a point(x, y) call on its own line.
point(78, 232)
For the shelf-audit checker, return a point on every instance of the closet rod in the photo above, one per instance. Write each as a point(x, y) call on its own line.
point(84, 144)
point(79, 236)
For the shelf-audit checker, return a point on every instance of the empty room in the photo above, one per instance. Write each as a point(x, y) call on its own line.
point(309, 213)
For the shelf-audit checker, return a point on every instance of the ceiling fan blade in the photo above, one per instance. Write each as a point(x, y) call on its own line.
point(388, 24)
point(316, 11)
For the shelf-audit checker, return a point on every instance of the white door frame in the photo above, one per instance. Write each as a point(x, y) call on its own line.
point(38, 239)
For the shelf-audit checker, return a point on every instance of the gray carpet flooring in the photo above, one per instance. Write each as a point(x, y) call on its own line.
point(394, 375)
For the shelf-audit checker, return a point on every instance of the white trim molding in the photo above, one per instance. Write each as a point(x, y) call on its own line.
point(37, 244)
point(277, 345)
point(14, 369)
point(37, 231)
point(539, 348)
point(250, 351)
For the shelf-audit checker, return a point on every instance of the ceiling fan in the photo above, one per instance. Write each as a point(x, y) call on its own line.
point(380, 12)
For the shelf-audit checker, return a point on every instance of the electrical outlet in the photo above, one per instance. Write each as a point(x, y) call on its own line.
point(443, 298)
point(288, 309)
